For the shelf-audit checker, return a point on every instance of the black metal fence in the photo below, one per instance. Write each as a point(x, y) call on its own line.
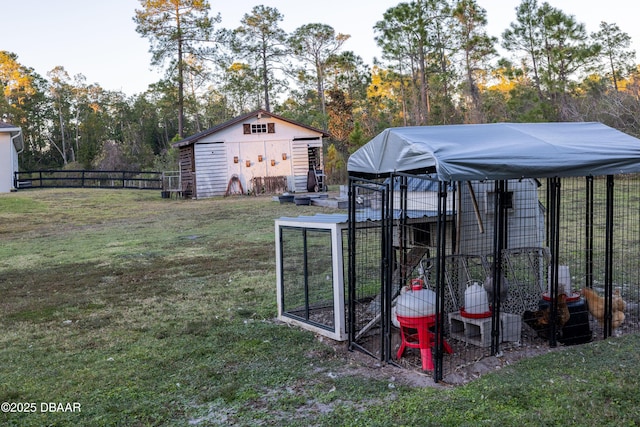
point(88, 179)
point(541, 262)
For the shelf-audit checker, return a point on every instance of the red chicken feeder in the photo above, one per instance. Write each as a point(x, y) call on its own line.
point(468, 315)
point(415, 333)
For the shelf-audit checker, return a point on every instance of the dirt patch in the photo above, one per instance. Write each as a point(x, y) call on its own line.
point(408, 370)
point(467, 363)
point(457, 371)
point(510, 354)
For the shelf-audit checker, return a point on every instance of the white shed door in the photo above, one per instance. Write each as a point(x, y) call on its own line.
point(211, 169)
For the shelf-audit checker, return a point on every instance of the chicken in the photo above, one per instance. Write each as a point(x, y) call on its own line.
point(617, 319)
point(540, 321)
point(596, 305)
point(504, 288)
point(618, 303)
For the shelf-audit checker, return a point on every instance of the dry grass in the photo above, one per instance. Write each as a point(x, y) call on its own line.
point(149, 311)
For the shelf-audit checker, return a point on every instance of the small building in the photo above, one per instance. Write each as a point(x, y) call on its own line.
point(258, 151)
point(11, 144)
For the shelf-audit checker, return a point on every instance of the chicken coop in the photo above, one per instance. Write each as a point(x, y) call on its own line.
point(468, 241)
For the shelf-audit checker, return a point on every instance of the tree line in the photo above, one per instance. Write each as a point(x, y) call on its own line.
point(438, 66)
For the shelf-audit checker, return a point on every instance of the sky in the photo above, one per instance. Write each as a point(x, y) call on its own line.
point(97, 38)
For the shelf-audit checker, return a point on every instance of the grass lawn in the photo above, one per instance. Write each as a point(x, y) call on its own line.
point(118, 307)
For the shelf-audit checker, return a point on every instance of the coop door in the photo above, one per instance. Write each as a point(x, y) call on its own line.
point(307, 276)
point(369, 279)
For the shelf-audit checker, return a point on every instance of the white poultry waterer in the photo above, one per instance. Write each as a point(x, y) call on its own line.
point(476, 303)
point(564, 280)
point(416, 302)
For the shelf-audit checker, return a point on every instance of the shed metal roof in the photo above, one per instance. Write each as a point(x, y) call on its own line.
point(239, 119)
point(16, 135)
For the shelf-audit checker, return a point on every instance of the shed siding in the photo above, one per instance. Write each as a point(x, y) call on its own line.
point(281, 152)
point(300, 161)
point(523, 220)
point(211, 169)
point(8, 162)
point(300, 153)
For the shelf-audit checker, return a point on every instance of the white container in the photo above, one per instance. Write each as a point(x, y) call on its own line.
point(475, 299)
point(564, 280)
point(416, 303)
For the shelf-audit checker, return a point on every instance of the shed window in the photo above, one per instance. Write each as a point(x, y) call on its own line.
point(490, 201)
point(259, 128)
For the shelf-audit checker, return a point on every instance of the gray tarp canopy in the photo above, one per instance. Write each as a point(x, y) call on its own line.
point(499, 151)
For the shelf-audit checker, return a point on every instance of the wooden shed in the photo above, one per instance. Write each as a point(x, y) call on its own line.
point(11, 144)
point(258, 151)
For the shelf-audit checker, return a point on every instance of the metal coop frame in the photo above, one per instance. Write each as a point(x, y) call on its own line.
point(538, 214)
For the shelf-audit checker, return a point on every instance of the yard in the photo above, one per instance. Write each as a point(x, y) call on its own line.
point(122, 308)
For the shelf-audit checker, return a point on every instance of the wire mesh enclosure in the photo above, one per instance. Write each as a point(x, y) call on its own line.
point(486, 267)
point(496, 239)
point(309, 266)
